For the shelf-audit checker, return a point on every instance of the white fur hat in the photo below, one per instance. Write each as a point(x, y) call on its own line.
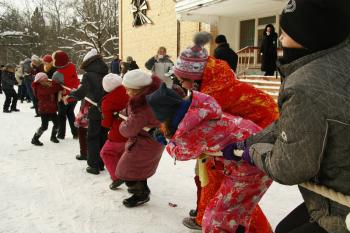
point(35, 58)
point(347, 221)
point(111, 81)
point(40, 76)
point(136, 79)
point(91, 53)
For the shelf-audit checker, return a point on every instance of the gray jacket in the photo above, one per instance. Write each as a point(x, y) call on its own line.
point(310, 141)
point(160, 68)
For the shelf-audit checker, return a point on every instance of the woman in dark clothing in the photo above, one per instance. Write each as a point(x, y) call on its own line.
point(91, 87)
point(268, 50)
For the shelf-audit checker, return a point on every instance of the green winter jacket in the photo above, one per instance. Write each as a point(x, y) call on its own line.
point(311, 139)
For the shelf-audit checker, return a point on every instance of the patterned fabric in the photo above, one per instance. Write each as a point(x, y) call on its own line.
point(205, 128)
point(235, 201)
point(239, 99)
point(82, 120)
point(191, 63)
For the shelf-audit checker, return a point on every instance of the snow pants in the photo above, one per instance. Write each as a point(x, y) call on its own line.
point(10, 99)
point(64, 112)
point(82, 133)
point(234, 203)
point(110, 154)
point(96, 138)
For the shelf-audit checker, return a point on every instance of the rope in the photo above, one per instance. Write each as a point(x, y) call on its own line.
point(328, 193)
point(319, 189)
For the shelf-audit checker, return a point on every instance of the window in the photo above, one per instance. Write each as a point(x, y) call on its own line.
point(247, 33)
point(267, 20)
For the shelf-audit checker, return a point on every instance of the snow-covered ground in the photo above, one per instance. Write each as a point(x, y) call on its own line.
point(45, 189)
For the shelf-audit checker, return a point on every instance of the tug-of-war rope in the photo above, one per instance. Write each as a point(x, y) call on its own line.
point(319, 189)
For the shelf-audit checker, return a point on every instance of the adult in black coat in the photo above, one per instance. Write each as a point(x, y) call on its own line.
point(268, 50)
point(224, 52)
point(91, 86)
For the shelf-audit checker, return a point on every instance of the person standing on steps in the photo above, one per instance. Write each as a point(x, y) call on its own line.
point(268, 50)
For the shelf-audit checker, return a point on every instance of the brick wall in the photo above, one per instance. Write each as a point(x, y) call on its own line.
point(143, 42)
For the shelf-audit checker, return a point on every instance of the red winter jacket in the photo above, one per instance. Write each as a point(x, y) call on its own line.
point(113, 102)
point(47, 96)
point(70, 78)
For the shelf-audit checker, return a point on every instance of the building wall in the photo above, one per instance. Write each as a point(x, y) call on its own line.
point(143, 42)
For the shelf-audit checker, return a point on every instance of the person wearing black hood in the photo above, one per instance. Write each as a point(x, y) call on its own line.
point(91, 87)
point(309, 144)
point(224, 52)
point(268, 50)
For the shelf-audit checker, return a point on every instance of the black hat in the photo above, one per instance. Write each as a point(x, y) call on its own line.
point(164, 102)
point(220, 39)
point(317, 24)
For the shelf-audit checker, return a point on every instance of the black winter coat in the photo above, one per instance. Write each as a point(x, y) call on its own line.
point(8, 80)
point(91, 84)
point(269, 52)
point(224, 52)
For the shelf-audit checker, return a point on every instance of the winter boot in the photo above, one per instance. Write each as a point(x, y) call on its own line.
point(140, 196)
point(81, 157)
point(115, 184)
point(136, 200)
point(54, 140)
point(14, 110)
point(53, 135)
point(35, 140)
point(93, 170)
point(191, 223)
point(6, 111)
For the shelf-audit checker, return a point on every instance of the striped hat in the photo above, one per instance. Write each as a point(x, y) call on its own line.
point(192, 61)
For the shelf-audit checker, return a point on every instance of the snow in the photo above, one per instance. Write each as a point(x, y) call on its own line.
point(11, 33)
point(45, 189)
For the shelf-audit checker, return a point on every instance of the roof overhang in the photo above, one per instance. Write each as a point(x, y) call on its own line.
point(209, 11)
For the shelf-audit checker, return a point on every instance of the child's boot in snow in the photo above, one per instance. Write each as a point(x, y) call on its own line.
point(140, 196)
point(191, 223)
point(35, 140)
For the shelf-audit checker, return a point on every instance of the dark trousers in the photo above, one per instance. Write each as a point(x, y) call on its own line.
point(82, 133)
point(45, 118)
point(96, 138)
point(28, 84)
point(22, 92)
point(298, 221)
point(269, 72)
point(139, 187)
point(64, 112)
point(11, 99)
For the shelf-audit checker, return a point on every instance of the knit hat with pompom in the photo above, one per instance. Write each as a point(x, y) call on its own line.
point(192, 61)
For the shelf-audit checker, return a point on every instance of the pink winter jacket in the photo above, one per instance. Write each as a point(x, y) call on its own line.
point(205, 128)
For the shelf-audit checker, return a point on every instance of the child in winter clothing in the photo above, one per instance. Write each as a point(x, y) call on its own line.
point(91, 86)
point(67, 71)
point(81, 122)
point(46, 93)
point(8, 81)
point(142, 153)
point(198, 71)
point(198, 128)
point(112, 103)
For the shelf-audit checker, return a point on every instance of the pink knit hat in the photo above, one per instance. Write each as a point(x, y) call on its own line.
point(192, 61)
point(40, 77)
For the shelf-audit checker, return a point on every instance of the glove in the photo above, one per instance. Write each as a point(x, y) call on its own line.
point(158, 136)
point(229, 152)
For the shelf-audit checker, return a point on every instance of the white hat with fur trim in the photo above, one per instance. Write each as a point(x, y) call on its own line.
point(35, 58)
point(136, 79)
point(111, 81)
point(347, 221)
point(91, 53)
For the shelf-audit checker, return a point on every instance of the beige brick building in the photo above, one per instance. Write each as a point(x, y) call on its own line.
point(142, 42)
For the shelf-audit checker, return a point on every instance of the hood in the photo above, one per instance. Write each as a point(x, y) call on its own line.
point(203, 108)
point(95, 64)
